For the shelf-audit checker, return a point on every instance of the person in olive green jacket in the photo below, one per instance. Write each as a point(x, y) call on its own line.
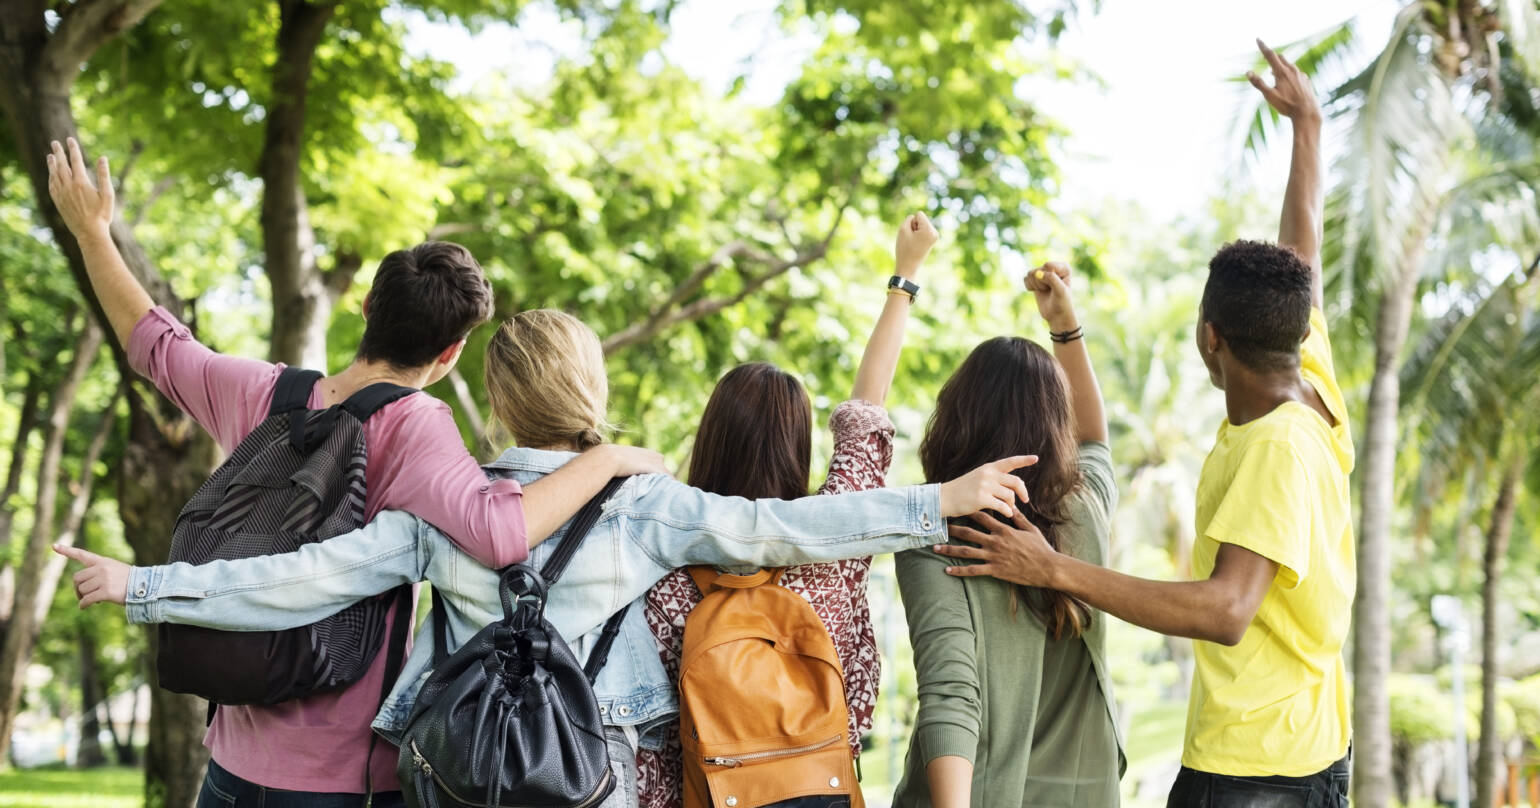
point(1015, 705)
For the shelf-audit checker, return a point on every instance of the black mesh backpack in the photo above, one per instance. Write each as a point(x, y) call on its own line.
point(297, 478)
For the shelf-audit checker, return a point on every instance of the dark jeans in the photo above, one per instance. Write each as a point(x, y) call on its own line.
point(1324, 789)
point(221, 789)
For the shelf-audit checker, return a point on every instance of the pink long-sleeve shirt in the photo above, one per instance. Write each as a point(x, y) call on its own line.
point(417, 462)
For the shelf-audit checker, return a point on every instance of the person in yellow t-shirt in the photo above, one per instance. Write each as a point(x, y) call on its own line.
point(1269, 720)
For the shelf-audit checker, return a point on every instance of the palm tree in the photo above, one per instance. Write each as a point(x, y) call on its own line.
point(1479, 361)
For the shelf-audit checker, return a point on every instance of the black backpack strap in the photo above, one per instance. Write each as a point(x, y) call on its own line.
point(580, 525)
point(601, 652)
point(368, 401)
point(395, 658)
point(292, 392)
point(440, 629)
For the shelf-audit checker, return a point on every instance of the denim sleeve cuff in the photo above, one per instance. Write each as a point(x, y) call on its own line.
point(147, 333)
point(942, 740)
point(139, 598)
point(925, 520)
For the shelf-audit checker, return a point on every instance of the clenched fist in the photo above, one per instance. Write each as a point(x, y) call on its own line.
point(915, 238)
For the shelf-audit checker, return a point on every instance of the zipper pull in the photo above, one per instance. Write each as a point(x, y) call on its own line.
point(422, 762)
point(731, 763)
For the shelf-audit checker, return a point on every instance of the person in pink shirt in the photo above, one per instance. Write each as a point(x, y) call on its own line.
point(424, 302)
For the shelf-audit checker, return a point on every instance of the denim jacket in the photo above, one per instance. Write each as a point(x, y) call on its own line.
point(652, 525)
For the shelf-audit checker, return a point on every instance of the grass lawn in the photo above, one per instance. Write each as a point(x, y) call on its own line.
point(51, 787)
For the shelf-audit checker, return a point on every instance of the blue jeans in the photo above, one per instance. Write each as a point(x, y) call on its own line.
point(1327, 788)
point(221, 789)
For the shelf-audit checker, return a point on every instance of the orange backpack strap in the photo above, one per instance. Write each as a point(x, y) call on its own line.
point(708, 578)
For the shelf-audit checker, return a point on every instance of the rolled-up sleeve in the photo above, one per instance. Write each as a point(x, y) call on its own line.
point(427, 470)
point(945, 656)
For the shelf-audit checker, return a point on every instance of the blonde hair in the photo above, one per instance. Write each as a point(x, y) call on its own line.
point(546, 380)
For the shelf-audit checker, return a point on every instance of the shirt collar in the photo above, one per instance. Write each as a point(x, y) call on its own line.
point(516, 458)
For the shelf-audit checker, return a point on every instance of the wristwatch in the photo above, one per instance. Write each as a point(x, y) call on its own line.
point(904, 285)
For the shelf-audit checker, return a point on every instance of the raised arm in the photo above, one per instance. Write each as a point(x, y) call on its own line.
point(875, 376)
point(87, 209)
point(1300, 226)
point(1049, 283)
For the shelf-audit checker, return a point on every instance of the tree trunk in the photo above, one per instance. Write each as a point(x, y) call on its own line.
point(167, 455)
point(24, 426)
point(161, 469)
point(88, 753)
point(31, 587)
point(123, 745)
point(74, 521)
point(1489, 767)
point(1372, 787)
point(301, 301)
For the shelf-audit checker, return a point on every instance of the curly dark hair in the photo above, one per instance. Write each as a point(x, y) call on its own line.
point(1258, 299)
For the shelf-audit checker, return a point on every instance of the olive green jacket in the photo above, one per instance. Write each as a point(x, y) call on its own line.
point(1036, 716)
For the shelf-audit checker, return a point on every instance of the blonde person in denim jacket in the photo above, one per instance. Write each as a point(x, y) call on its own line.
point(547, 384)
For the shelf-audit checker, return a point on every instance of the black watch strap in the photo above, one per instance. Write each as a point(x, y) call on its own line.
point(904, 285)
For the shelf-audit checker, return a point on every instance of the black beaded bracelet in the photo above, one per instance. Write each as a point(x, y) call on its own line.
point(1067, 336)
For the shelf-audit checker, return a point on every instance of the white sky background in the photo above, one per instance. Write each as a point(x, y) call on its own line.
point(1160, 133)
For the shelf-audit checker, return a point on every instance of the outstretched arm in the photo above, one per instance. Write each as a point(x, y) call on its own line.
point(1300, 225)
point(87, 209)
point(1218, 609)
point(875, 376)
point(1049, 283)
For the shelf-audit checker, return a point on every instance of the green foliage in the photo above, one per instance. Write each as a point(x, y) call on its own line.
point(1419, 710)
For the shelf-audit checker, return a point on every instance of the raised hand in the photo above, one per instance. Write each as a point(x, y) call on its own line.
point(104, 580)
point(1049, 284)
point(915, 238)
point(991, 486)
point(1290, 93)
point(86, 207)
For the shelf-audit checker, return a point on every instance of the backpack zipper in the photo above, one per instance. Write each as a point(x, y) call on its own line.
point(754, 757)
point(427, 768)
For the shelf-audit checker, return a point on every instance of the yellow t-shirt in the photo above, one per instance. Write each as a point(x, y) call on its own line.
point(1278, 703)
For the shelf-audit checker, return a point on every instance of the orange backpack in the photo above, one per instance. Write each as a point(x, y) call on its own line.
point(762, 714)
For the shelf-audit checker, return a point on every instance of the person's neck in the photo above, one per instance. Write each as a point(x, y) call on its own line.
point(1250, 394)
point(363, 372)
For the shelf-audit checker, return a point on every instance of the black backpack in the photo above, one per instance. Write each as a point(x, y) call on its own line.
point(297, 478)
point(510, 718)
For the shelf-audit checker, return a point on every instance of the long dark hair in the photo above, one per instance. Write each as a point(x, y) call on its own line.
point(756, 436)
point(1009, 397)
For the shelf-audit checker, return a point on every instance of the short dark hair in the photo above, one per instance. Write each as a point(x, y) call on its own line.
point(1258, 299)
point(756, 436)
point(424, 299)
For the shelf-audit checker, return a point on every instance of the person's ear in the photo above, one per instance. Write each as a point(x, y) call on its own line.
point(1306, 336)
point(1212, 342)
point(366, 305)
point(449, 356)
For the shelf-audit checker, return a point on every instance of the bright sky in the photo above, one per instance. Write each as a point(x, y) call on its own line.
point(1161, 133)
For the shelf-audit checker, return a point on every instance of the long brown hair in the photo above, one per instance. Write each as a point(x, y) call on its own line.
point(756, 436)
point(1009, 397)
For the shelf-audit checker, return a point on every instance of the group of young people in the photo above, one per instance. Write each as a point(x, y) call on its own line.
point(1000, 556)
